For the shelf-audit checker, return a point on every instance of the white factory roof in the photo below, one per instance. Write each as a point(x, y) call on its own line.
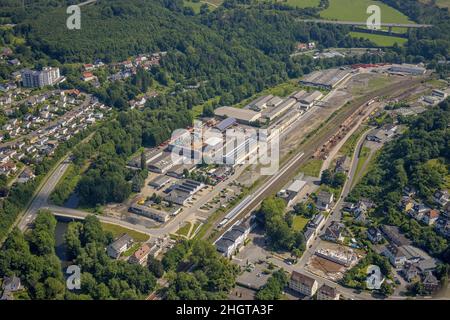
point(239, 114)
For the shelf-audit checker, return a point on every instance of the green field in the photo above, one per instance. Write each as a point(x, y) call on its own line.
point(312, 168)
point(299, 223)
point(379, 40)
point(118, 231)
point(212, 4)
point(351, 10)
point(184, 230)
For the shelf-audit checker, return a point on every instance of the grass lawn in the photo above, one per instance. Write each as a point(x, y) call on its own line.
point(118, 231)
point(212, 4)
point(184, 230)
point(349, 146)
point(299, 223)
point(364, 154)
point(132, 250)
point(356, 10)
point(312, 167)
point(379, 40)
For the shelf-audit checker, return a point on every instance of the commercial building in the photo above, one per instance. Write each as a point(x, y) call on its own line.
point(122, 244)
point(182, 193)
point(303, 284)
point(327, 79)
point(37, 79)
point(245, 116)
point(149, 212)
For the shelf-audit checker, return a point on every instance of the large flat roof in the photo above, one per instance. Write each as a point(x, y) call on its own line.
point(239, 114)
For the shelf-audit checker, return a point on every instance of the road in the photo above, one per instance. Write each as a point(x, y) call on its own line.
point(357, 23)
point(41, 199)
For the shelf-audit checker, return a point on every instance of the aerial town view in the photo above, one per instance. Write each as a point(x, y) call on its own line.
point(234, 150)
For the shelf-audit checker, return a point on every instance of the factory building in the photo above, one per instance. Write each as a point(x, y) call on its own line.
point(280, 109)
point(328, 79)
point(164, 163)
point(308, 100)
point(245, 116)
point(408, 69)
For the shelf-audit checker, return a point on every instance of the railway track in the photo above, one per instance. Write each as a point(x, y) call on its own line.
point(272, 184)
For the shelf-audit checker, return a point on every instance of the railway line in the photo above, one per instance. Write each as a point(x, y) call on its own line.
point(307, 150)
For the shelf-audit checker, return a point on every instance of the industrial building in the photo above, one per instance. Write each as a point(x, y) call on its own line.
point(245, 116)
point(308, 100)
point(159, 182)
point(328, 79)
point(260, 103)
point(237, 151)
point(149, 212)
point(226, 124)
point(275, 112)
point(181, 194)
point(149, 154)
point(408, 69)
point(163, 163)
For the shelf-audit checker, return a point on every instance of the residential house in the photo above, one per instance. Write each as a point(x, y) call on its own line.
point(430, 282)
point(326, 292)
point(141, 255)
point(442, 197)
point(234, 238)
point(361, 218)
point(411, 273)
point(334, 232)
point(431, 217)
point(26, 175)
point(122, 244)
point(374, 235)
point(396, 255)
point(324, 201)
point(303, 284)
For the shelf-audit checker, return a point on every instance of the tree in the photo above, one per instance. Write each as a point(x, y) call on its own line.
point(143, 161)
point(326, 177)
point(155, 267)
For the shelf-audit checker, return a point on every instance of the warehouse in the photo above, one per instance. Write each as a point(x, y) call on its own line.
point(408, 68)
point(308, 100)
point(149, 154)
point(163, 163)
point(159, 182)
point(260, 103)
point(328, 79)
point(225, 124)
point(278, 111)
point(245, 116)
